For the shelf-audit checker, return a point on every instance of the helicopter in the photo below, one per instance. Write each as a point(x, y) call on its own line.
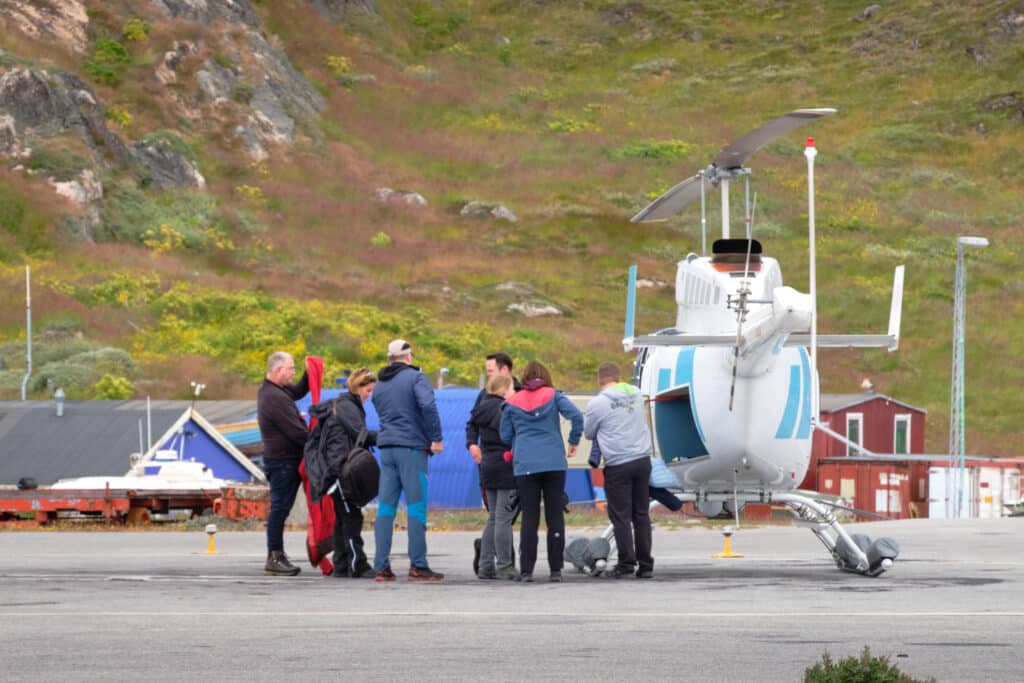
point(732, 388)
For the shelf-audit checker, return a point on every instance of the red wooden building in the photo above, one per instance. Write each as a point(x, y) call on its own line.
point(877, 423)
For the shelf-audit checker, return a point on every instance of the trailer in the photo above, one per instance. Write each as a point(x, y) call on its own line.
point(133, 506)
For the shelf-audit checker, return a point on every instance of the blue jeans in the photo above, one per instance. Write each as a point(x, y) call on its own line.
point(401, 469)
point(283, 475)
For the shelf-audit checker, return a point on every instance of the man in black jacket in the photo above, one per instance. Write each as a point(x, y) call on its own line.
point(284, 435)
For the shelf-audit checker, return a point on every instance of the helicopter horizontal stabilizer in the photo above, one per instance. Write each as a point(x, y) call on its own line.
point(890, 341)
point(845, 341)
point(631, 343)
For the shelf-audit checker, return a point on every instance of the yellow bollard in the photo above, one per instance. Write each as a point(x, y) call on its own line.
point(727, 551)
point(211, 546)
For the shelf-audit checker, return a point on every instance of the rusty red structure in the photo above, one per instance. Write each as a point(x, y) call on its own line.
point(133, 506)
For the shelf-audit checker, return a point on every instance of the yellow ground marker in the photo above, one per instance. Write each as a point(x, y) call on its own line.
point(727, 551)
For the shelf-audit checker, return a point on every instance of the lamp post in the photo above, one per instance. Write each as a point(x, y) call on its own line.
point(958, 497)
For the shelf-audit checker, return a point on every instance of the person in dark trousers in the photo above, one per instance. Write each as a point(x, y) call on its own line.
point(530, 422)
point(617, 419)
point(340, 424)
point(496, 479)
point(410, 432)
point(283, 432)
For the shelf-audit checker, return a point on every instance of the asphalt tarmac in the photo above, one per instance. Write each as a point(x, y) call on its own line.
point(150, 606)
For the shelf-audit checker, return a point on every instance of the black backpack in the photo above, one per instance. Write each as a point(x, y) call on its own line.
point(360, 474)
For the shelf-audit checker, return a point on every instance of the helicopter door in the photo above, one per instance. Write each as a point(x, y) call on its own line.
point(674, 426)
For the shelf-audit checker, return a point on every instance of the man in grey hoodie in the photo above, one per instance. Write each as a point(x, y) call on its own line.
point(617, 420)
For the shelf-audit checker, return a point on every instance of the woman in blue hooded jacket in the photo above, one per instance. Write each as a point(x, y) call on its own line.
point(530, 422)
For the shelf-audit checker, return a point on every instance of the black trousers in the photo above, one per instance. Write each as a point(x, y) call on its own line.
point(531, 488)
point(349, 557)
point(625, 487)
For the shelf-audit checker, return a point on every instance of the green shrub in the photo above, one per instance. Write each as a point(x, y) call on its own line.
point(655, 149)
point(21, 221)
point(569, 124)
point(108, 61)
point(136, 29)
point(223, 61)
point(57, 163)
point(133, 215)
point(111, 387)
point(242, 93)
point(381, 239)
point(168, 139)
point(863, 669)
point(119, 116)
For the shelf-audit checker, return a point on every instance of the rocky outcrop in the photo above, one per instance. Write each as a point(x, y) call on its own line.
point(209, 11)
point(275, 97)
point(167, 69)
point(340, 10)
point(527, 301)
point(42, 103)
point(38, 107)
point(165, 166)
point(56, 22)
point(476, 209)
point(386, 195)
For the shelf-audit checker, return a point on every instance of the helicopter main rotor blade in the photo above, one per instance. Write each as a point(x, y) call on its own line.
point(735, 154)
point(670, 203)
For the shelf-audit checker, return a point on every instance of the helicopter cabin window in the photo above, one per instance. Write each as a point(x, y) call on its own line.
point(901, 435)
point(854, 433)
point(638, 366)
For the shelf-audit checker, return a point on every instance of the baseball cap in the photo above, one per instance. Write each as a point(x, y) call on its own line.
point(399, 347)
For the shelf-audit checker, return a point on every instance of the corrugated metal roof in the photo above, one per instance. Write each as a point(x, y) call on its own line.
point(92, 438)
point(830, 403)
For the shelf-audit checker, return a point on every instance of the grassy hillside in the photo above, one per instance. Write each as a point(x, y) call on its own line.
point(572, 115)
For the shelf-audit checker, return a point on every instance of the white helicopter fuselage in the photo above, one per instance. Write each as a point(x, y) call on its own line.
point(733, 388)
point(763, 441)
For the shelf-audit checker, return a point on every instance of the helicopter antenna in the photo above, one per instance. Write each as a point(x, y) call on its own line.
point(741, 311)
point(703, 219)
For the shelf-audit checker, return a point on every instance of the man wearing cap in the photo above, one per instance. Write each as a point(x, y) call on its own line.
point(410, 432)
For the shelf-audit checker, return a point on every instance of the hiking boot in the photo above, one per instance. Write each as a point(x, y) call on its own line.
point(507, 574)
point(618, 572)
point(385, 575)
point(487, 574)
point(278, 564)
point(424, 574)
point(364, 573)
point(645, 573)
point(526, 577)
point(555, 577)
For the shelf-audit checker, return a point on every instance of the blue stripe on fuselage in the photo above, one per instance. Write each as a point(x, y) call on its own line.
point(804, 426)
point(664, 379)
point(789, 415)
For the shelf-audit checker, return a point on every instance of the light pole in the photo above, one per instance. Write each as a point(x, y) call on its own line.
point(957, 498)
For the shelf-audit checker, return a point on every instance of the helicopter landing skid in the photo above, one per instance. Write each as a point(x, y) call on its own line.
point(855, 553)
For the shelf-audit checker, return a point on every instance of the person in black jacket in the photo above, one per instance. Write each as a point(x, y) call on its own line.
point(496, 479)
point(284, 436)
point(340, 423)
